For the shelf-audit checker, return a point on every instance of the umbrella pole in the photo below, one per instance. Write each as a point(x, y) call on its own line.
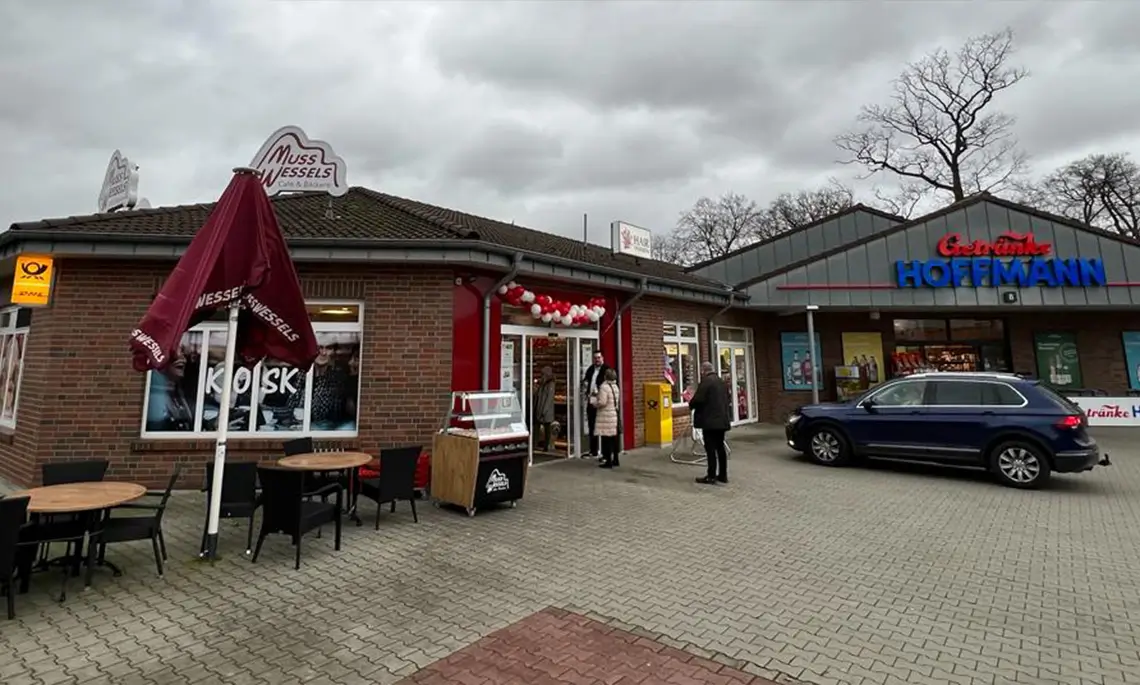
point(223, 430)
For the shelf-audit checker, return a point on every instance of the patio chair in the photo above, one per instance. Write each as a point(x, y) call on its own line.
point(18, 543)
point(286, 508)
point(135, 528)
point(397, 480)
point(239, 496)
point(62, 473)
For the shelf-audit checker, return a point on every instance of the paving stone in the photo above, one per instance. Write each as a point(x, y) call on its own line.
point(793, 573)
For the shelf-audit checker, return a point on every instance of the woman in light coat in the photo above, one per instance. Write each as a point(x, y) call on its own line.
point(606, 400)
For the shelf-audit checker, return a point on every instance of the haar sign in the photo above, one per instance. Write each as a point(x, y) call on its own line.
point(120, 184)
point(290, 161)
point(631, 240)
point(1013, 259)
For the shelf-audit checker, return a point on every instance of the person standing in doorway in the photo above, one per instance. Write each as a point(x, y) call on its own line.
point(606, 402)
point(543, 412)
point(710, 406)
point(595, 377)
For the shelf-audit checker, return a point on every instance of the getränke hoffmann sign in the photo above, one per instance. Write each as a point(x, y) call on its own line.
point(1012, 259)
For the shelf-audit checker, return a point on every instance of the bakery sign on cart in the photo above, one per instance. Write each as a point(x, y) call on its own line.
point(290, 161)
point(1110, 411)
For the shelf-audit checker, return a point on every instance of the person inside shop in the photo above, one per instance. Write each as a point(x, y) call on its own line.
point(710, 408)
point(595, 376)
point(542, 414)
point(607, 425)
point(170, 408)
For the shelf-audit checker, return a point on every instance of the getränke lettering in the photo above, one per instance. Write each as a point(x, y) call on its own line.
point(274, 380)
point(151, 345)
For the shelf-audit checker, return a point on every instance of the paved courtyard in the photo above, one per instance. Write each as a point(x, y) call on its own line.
point(794, 573)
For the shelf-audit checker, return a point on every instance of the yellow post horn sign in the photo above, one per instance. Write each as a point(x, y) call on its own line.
point(32, 283)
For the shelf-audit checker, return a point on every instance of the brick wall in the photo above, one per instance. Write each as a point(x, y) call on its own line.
point(81, 399)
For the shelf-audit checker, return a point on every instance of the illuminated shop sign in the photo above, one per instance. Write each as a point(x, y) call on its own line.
point(1013, 259)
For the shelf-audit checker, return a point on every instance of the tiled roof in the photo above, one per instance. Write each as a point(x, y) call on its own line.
point(364, 215)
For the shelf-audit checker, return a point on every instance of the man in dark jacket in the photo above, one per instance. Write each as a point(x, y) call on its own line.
point(595, 376)
point(711, 414)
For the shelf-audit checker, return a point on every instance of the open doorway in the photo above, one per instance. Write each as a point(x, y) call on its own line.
point(556, 405)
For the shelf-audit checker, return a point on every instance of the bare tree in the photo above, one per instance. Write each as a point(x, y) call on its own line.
point(938, 130)
point(712, 228)
point(671, 248)
point(791, 211)
point(1099, 190)
point(903, 200)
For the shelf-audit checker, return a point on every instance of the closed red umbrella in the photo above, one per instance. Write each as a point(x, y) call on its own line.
point(238, 261)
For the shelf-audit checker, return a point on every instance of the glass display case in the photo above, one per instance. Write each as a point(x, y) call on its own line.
point(481, 454)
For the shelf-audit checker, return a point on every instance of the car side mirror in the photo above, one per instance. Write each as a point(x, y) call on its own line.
point(869, 405)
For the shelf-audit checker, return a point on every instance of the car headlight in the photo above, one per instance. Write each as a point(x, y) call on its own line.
point(792, 418)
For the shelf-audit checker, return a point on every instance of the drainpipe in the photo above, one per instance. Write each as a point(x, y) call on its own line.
point(618, 362)
point(712, 326)
point(486, 360)
point(811, 310)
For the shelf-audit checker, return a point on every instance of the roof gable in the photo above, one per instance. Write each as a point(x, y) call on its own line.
point(862, 273)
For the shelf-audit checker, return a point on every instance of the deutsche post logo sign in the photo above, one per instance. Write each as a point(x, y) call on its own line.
point(32, 283)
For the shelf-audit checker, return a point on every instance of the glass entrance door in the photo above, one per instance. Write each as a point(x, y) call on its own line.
point(582, 352)
point(736, 370)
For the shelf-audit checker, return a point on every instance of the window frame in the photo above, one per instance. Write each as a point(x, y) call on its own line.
point(676, 338)
point(11, 329)
point(198, 402)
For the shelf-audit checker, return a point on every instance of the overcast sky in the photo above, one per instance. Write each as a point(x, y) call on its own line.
point(535, 112)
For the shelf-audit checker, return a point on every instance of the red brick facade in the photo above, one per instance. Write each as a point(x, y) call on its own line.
point(81, 399)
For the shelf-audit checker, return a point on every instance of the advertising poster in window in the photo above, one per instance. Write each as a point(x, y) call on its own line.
point(240, 394)
point(172, 393)
point(1057, 361)
point(1132, 358)
point(797, 362)
point(865, 352)
point(13, 358)
point(336, 382)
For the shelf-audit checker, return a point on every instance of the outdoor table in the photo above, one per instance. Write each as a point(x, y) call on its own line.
point(347, 462)
point(90, 499)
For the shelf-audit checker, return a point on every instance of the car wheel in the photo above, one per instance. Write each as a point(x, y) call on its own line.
point(1020, 464)
point(828, 447)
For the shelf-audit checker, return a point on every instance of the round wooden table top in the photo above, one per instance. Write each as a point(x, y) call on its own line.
point(71, 498)
point(325, 461)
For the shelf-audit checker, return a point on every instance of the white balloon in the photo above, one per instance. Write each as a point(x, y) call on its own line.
point(547, 318)
point(535, 310)
point(566, 320)
point(593, 316)
point(502, 290)
point(527, 296)
point(512, 285)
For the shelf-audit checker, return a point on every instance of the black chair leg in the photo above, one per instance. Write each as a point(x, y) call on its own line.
point(11, 601)
point(379, 508)
point(297, 562)
point(415, 518)
point(338, 526)
point(393, 509)
point(157, 553)
point(260, 540)
point(249, 537)
point(162, 545)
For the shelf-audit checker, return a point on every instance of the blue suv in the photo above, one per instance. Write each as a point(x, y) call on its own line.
point(1019, 429)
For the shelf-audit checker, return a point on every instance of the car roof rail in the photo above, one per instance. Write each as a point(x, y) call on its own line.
point(965, 374)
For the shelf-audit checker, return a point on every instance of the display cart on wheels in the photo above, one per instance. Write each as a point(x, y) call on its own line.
point(480, 456)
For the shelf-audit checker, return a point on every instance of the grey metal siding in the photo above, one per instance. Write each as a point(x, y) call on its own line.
point(873, 263)
point(765, 258)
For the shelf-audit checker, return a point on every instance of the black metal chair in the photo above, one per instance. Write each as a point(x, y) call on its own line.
point(288, 509)
point(135, 528)
point(239, 496)
point(396, 482)
point(63, 473)
point(18, 543)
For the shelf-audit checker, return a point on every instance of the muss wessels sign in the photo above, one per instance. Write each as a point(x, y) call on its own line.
point(1013, 259)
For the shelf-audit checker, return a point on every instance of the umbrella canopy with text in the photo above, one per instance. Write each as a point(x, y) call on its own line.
point(238, 256)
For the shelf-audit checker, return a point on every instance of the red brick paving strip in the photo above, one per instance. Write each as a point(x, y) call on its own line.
point(556, 647)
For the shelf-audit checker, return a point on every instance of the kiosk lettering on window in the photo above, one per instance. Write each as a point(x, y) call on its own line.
point(271, 399)
point(14, 323)
point(682, 359)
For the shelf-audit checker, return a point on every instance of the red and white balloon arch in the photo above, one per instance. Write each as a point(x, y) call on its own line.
point(549, 310)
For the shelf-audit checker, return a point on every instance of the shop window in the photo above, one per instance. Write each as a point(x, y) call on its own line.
point(682, 360)
point(976, 329)
point(269, 400)
point(14, 323)
point(920, 329)
point(733, 335)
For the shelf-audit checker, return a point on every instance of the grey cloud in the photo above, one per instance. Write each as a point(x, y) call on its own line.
point(506, 156)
